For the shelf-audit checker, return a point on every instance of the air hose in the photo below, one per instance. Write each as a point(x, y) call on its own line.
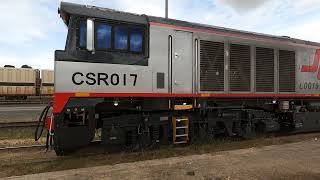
point(41, 124)
point(49, 139)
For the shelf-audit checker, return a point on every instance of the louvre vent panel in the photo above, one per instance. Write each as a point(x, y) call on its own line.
point(264, 69)
point(240, 67)
point(287, 75)
point(211, 66)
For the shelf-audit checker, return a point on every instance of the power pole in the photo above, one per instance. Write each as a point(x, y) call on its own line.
point(166, 13)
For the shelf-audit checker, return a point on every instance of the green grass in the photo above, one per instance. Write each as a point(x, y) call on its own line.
point(17, 133)
point(11, 137)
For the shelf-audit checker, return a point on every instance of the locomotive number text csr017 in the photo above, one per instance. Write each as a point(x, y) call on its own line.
point(100, 78)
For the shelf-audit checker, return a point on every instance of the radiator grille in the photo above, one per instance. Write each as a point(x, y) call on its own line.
point(264, 69)
point(211, 66)
point(287, 76)
point(240, 67)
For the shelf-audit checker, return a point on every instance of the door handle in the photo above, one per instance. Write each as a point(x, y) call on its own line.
point(178, 82)
point(176, 55)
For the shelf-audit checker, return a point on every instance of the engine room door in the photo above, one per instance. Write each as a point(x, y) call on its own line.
point(181, 62)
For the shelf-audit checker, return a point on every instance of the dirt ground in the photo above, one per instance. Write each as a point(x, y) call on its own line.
point(295, 160)
point(289, 161)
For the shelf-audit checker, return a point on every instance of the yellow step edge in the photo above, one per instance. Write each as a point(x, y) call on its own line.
point(81, 94)
point(183, 107)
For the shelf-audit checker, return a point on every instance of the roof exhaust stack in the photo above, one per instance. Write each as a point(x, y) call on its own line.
point(166, 10)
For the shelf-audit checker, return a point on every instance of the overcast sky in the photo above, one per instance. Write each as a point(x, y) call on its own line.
point(30, 30)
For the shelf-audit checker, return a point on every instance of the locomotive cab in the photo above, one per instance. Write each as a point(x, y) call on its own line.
point(106, 53)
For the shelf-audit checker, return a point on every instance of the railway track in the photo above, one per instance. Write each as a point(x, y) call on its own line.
point(18, 124)
point(31, 100)
point(23, 102)
point(17, 148)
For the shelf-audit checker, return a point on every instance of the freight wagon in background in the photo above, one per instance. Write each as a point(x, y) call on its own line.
point(23, 83)
point(47, 78)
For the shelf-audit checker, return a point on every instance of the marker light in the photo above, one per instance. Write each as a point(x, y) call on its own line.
point(115, 103)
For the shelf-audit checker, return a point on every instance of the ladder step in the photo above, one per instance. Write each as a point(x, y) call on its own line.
point(182, 135)
point(184, 119)
point(183, 107)
point(182, 127)
point(180, 142)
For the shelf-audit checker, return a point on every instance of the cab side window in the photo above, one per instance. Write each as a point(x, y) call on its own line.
point(121, 38)
point(82, 34)
point(109, 41)
point(103, 36)
point(136, 39)
point(113, 36)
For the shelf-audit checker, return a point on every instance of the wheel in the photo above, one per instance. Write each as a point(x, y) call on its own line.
point(261, 128)
point(59, 152)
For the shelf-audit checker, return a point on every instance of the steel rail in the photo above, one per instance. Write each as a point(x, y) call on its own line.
point(18, 124)
point(12, 148)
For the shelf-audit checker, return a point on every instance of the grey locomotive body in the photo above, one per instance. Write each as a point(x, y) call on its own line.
point(150, 80)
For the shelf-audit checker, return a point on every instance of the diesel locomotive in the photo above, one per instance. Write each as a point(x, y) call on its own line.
point(140, 80)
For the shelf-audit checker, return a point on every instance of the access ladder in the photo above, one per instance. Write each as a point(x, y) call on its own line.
point(180, 130)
